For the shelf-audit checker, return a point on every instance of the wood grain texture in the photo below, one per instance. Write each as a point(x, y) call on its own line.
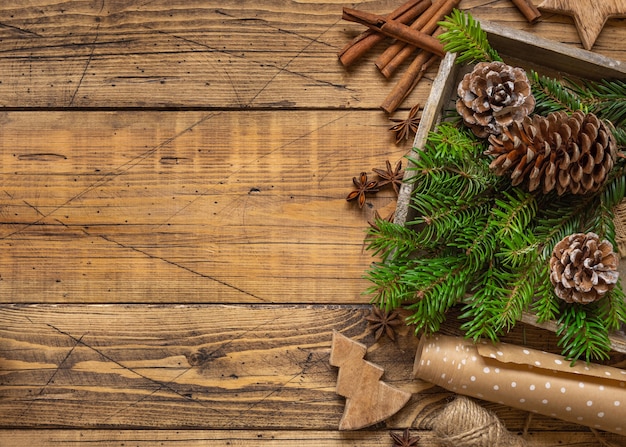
point(169, 170)
point(276, 54)
point(187, 206)
point(176, 366)
point(589, 17)
point(369, 400)
point(265, 438)
point(205, 366)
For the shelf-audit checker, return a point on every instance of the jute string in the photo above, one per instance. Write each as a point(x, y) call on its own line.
point(464, 423)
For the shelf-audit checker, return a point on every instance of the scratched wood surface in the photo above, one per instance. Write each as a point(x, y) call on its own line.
point(186, 206)
point(266, 438)
point(175, 244)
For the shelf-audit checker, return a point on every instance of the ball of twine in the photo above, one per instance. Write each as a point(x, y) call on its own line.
point(464, 423)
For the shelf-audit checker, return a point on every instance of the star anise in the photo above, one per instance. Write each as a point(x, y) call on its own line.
point(404, 128)
point(382, 321)
point(404, 440)
point(393, 176)
point(363, 186)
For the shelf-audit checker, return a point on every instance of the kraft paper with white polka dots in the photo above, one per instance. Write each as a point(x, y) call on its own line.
point(531, 380)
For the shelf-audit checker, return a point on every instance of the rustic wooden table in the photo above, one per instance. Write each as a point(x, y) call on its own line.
point(176, 248)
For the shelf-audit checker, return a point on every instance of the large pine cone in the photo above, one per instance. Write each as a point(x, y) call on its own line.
point(493, 96)
point(570, 153)
point(583, 268)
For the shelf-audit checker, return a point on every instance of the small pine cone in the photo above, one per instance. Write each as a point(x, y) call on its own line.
point(494, 95)
point(570, 153)
point(583, 268)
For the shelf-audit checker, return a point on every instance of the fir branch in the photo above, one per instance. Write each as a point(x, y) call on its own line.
point(551, 95)
point(567, 215)
point(464, 35)
point(522, 285)
point(582, 333)
point(499, 299)
point(452, 163)
point(612, 308)
point(553, 227)
point(451, 187)
point(479, 309)
point(601, 222)
point(440, 284)
point(476, 240)
point(479, 241)
point(614, 189)
point(605, 98)
point(442, 219)
point(560, 216)
point(389, 290)
point(467, 179)
point(518, 250)
point(547, 304)
point(452, 142)
point(619, 133)
point(386, 239)
point(515, 211)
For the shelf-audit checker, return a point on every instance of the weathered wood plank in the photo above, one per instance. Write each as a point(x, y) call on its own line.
point(187, 206)
point(182, 53)
point(197, 438)
point(181, 366)
point(266, 438)
point(204, 366)
point(198, 207)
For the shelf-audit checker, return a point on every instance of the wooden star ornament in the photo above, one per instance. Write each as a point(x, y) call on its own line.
point(589, 15)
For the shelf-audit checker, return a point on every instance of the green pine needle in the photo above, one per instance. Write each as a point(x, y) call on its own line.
point(482, 244)
point(463, 35)
point(582, 333)
point(483, 305)
point(612, 308)
point(551, 95)
point(606, 98)
point(620, 136)
point(440, 283)
point(389, 239)
point(389, 289)
point(547, 304)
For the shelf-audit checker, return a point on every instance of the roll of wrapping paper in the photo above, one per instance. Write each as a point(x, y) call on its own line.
point(531, 380)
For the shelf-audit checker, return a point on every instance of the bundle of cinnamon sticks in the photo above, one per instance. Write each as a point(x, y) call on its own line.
point(414, 27)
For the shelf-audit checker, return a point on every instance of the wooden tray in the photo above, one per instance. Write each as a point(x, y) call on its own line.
point(530, 52)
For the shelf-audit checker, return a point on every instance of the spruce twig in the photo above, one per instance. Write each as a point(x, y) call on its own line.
point(483, 244)
point(551, 95)
point(464, 36)
point(582, 333)
point(605, 98)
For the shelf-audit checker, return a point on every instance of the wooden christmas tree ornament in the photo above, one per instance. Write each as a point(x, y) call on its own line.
point(368, 399)
point(589, 15)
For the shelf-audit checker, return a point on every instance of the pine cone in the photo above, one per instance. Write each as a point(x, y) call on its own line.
point(494, 96)
point(583, 268)
point(570, 153)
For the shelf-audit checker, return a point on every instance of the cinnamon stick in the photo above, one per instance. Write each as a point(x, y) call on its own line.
point(393, 49)
point(395, 29)
point(529, 10)
point(369, 38)
point(409, 79)
point(396, 54)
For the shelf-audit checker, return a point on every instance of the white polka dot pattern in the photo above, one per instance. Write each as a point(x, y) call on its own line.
point(535, 381)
